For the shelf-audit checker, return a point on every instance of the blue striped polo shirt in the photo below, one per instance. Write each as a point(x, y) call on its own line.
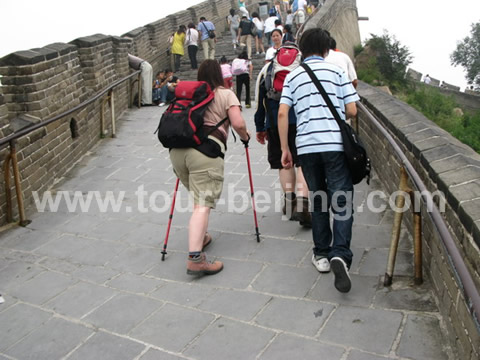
point(317, 129)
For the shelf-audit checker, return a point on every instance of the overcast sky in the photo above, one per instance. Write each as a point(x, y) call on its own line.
point(429, 28)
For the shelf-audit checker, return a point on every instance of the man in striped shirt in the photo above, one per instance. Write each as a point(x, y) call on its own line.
point(320, 152)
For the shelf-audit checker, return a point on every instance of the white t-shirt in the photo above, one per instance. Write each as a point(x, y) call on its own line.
point(270, 24)
point(302, 4)
point(191, 37)
point(258, 23)
point(343, 61)
point(270, 53)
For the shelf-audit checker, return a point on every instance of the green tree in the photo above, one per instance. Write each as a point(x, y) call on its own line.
point(389, 63)
point(392, 59)
point(467, 55)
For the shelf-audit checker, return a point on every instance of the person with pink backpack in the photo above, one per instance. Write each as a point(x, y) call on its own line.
point(226, 73)
point(242, 68)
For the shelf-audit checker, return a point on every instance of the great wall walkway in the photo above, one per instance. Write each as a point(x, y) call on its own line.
point(91, 285)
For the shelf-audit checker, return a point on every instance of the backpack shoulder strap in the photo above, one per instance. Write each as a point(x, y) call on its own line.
point(324, 94)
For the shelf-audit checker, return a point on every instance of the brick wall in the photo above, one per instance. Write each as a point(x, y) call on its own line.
point(444, 164)
point(340, 18)
point(47, 81)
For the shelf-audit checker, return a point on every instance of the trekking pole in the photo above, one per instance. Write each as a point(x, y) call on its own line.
point(252, 194)
point(164, 251)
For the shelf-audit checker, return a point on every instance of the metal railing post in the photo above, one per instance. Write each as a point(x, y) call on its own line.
point(8, 191)
point(112, 110)
point(417, 241)
point(397, 224)
point(18, 185)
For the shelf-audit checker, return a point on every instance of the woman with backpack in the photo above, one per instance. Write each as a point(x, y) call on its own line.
point(177, 47)
point(242, 68)
point(277, 42)
point(226, 73)
point(294, 186)
point(203, 175)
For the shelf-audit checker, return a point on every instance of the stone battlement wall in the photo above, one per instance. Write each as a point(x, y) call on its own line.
point(44, 82)
point(446, 165)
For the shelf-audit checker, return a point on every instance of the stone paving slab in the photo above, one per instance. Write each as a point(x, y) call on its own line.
point(91, 285)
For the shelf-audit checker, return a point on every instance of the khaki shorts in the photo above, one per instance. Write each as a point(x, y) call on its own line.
point(200, 174)
point(300, 17)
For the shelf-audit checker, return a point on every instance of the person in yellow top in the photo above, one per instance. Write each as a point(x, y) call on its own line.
point(177, 47)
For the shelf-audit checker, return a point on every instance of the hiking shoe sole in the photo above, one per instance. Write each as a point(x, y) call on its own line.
point(340, 271)
point(204, 272)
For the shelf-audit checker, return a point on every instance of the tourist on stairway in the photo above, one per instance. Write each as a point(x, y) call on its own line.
point(245, 34)
point(177, 48)
point(259, 38)
point(244, 77)
point(208, 37)
point(233, 21)
point(192, 45)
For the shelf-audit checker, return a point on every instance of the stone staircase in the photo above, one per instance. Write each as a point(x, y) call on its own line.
point(224, 47)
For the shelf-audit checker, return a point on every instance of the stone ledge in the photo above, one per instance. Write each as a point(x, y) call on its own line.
point(452, 166)
point(92, 40)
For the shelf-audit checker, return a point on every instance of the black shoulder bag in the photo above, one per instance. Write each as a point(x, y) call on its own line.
point(355, 154)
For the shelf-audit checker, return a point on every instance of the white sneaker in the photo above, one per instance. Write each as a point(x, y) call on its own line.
point(340, 270)
point(161, 104)
point(257, 53)
point(321, 263)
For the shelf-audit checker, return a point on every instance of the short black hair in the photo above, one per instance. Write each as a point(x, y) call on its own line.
point(278, 22)
point(202, 18)
point(243, 55)
point(333, 43)
point(314, 42)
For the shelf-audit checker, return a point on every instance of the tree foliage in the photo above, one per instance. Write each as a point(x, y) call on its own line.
point(467, 54)
point(391, 59)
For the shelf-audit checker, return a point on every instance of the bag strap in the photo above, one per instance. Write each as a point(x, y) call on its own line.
point(217, 126)
point(325, 96)
point(205, 26)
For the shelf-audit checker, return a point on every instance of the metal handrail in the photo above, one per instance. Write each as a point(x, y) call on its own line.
point(6, 140)
point(472, 296)
point(11, 158)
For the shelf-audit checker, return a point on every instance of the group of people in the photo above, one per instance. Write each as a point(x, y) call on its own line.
point(163, 87)
point(192, 36)
point(245, 29)
point(301, 133)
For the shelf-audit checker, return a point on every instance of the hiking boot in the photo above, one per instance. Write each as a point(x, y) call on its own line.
point(321, 263)
point(201, 266)
point(289, 205)
point(302, 213)
point(340, 270)
point(207, 239)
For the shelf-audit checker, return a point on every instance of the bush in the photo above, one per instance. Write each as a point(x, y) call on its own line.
point(439, 108)
point(391, 61)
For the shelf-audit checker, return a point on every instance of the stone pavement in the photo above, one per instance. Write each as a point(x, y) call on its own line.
point(91, 285)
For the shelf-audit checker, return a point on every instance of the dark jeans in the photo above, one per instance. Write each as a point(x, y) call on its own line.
point(330, 186)
point(243, 79)
point(192, 54)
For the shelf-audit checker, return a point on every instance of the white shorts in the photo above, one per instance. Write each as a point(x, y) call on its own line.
point(300, 17)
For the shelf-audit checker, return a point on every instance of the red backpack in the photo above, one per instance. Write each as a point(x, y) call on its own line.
point(181, 125)
point(287, 58)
